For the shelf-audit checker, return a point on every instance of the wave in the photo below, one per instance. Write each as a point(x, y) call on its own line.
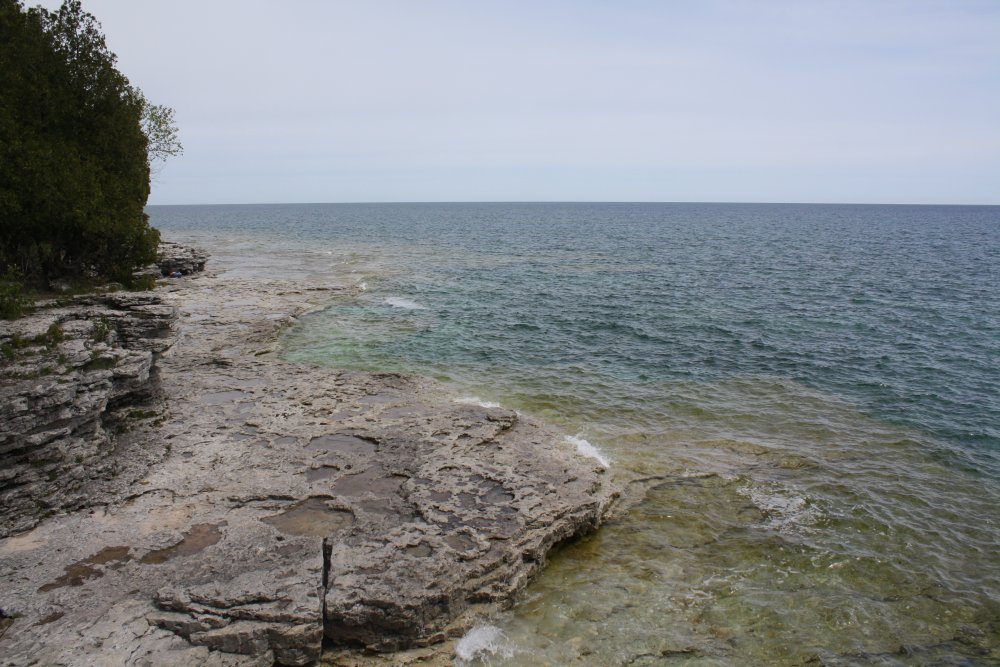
point(481, 642)
point(400, 302)
point(588, 450)
point(783, 509)
point(475, 400)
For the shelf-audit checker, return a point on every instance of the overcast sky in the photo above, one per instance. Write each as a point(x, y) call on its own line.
point(624, 100)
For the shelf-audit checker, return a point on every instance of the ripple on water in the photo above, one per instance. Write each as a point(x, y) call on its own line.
point(872, 552)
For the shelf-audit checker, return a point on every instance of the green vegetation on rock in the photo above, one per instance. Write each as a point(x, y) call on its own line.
point(13, 301)
point(76, 140)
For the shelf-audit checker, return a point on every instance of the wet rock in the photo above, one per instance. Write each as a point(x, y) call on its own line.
point(482, 525)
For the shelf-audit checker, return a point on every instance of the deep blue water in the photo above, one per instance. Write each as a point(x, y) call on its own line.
point(820, 382)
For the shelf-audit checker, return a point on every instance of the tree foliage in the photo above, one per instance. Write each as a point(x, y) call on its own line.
point(74, 149)
point(161, 132)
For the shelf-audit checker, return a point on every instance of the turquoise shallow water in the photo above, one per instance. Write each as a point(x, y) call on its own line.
point(814, 389)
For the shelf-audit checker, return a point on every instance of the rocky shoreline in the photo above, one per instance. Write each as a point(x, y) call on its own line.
point(174, 494)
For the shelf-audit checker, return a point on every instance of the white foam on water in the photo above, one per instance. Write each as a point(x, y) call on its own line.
point(363, 285)
point(481, 643)
point(475, 400)
point(400, 302)
point(783, 508)
point(588, 450)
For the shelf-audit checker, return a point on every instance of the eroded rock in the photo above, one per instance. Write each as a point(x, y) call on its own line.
point(175, 257)
point(74, 374)
point(294, 504)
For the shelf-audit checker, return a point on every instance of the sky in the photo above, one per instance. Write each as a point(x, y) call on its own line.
point(873, 101)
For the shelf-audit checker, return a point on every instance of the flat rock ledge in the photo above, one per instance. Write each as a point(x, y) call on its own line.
point(272, 508)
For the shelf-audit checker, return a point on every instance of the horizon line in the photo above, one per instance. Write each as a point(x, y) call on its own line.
point(567, 201)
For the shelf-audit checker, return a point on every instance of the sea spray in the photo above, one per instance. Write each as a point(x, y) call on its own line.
point(407, 304)
point(482, 643)
point(588, 450)
point(475, 400)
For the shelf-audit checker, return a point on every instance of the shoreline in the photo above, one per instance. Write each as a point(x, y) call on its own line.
point(293, 505)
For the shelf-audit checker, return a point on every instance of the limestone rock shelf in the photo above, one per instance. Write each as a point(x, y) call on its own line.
point(260, 508)
point(72, 374)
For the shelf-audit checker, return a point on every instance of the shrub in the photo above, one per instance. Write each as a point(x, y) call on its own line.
point(14, 302)
point(54, 334)
point(100, 330)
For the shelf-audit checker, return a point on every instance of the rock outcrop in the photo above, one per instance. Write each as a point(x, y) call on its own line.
point(70, 376)
point(293, 505)
point(178, 258)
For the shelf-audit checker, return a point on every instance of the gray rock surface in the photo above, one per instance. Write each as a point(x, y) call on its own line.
point(71, 375)
point(177, 257)
point(290, 503)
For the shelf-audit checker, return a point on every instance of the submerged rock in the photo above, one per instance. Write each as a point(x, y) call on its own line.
point(293, 505)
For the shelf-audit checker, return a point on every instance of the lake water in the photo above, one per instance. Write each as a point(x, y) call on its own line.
point(811, 392)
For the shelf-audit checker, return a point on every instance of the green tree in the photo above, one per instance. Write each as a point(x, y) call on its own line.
point(74, 150)
point(161, 132)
